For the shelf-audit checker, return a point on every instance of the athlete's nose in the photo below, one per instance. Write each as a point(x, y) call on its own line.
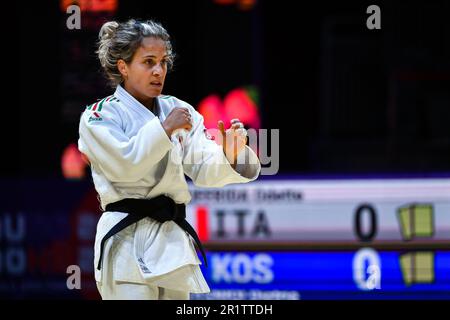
point(157, 70)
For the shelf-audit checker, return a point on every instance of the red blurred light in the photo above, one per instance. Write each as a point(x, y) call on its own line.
point(73, 163)
point(238, 103)
point(91, 5)
point(242, 4)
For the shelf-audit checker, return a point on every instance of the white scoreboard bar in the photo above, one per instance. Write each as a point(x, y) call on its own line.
point(323, 210)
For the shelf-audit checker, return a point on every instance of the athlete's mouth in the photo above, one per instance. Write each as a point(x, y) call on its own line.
point(156, 83)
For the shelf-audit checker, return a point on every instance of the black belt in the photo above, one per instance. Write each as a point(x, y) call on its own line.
point(160, 208)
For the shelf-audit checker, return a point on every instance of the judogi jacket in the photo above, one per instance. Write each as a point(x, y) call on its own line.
point(131, 156)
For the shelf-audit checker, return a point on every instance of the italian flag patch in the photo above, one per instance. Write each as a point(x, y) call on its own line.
point(97, 107)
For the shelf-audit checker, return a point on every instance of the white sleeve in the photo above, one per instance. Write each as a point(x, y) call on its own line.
point(119, 157)
point(206, 164)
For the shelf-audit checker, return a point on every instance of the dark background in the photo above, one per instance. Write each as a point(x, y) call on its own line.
point(345, 98)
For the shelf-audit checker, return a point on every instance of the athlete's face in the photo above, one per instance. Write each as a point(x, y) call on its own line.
point(145, 74)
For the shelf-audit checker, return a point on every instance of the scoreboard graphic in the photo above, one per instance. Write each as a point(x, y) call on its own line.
point(326, 239)
point(362, 274)
point(385, 212)
point(275, 239)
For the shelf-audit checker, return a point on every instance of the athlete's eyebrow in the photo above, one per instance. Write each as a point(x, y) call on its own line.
point(153, 56)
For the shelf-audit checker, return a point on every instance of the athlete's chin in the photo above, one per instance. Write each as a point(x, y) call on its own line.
point(154, 92)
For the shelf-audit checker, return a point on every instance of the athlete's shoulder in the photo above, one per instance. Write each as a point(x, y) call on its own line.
point(173, 102)
point(106, 107)
point(166, 97)
point(104, 103)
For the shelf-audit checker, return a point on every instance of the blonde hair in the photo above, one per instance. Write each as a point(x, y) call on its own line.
point(121, 40)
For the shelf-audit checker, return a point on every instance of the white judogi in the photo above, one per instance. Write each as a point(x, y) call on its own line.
point(131, 156)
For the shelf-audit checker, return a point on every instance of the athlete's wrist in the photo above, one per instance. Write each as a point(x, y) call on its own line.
point(167, 129)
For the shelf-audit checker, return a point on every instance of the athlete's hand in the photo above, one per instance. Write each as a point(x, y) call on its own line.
point(178, 118)
point(233, 139)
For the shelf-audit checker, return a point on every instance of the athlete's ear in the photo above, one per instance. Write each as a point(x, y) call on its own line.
point(123, 68)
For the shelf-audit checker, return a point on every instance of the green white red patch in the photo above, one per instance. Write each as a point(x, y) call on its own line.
point(97, 107)
point(99, 104)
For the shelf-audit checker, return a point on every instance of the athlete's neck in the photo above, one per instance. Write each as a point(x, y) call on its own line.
point(149, 103)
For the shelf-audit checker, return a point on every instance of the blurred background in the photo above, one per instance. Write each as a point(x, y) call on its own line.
point(360, 204)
